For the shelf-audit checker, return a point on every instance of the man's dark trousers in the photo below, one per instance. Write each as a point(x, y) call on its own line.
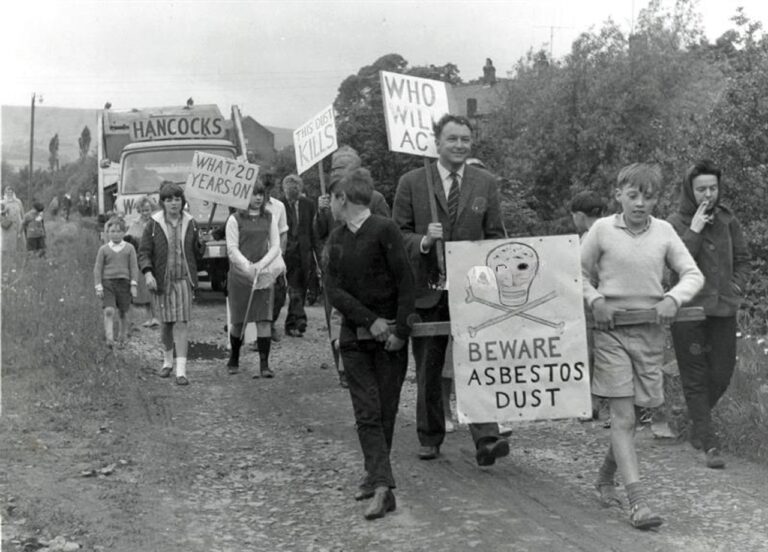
point(429, 353)
point(375, 378)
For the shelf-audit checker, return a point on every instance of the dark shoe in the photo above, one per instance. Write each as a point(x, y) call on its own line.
point(165, 372)
point(364, 493)
point(383, 502)
point(487, 453)
point(302, 328)
point(182, 380)
point(429, 453)
point(608, 495)
point(696, 442)
point(343, 380)
point(641, 517)
point(714, 460)
point(232, 368)
point(293, 332)
point(267, 373)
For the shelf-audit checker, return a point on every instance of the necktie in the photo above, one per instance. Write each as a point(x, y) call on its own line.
point(453, 198)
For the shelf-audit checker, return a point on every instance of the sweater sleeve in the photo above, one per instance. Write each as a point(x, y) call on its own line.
point(98, 268)
point(397, 260)
point(236, 257)
point(682, 262)
point(147, 248)
point(274, 243)
point(590, 255)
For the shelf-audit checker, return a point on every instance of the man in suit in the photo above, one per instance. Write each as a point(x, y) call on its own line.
point(299, 252)
point(467, 209)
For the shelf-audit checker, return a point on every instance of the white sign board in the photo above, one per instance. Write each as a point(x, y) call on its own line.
point(315, 140)
point(517, 320)
point(221, 180)
point(411, 106)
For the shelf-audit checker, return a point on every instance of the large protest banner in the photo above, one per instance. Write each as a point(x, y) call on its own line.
point(315, 140)
point(411, 106)
point(221, 180)
point(517, 320)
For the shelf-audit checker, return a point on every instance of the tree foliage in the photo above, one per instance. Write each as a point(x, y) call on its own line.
point(84, 142)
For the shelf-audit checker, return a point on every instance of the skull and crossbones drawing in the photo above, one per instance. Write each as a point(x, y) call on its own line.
point(509, 271)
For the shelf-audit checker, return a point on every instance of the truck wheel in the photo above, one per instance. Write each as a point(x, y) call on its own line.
point(218, 281)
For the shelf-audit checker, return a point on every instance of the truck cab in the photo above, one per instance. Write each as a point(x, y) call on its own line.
point(141, 148)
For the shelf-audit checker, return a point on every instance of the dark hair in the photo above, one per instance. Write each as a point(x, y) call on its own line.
point(258, 188)
point(357, 186)
point(590, 203)
point(448, 118)
point(38, 206)
point(170, 189)
point(703, 166)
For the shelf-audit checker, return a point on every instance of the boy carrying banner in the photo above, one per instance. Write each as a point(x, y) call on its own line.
point(625, 254)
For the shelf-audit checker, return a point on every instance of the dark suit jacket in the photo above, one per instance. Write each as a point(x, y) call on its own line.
point(478, 218)
point(302, 242)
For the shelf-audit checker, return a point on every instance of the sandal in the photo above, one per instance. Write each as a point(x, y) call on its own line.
point(165, 372)
point(182, 380)
point(641, 517)
point(608, 495)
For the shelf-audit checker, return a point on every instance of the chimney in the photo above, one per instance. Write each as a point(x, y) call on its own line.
point(489, 72)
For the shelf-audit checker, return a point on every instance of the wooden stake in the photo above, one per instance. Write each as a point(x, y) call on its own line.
point(322, 177)
point(433, 214)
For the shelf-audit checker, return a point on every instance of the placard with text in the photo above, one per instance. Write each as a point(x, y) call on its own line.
point(221, 180)
point(411, 106)
point(517, 321)
point(315, 140)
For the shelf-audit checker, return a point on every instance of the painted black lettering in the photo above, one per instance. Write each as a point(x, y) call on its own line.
point(578, 370)
point(489, 378)
point(489, 353)
point(474, 352)
point(505, 374)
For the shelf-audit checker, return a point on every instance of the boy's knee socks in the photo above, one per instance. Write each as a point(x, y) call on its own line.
point(635, 493)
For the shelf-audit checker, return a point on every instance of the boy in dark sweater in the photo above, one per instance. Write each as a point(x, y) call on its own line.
point(115, 272)
point(368, 279)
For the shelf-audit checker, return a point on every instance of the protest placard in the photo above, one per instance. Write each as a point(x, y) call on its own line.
point(411, 106)
point(221, 180)
point(315, 140)
point(517, 320)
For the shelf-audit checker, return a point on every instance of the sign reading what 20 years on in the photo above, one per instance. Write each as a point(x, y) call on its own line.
point(221, 180)
point(411, 106)
point(315, 140)
point(518, 327)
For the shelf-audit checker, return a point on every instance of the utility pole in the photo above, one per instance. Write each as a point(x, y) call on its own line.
point(32, 146)
point(551, 37)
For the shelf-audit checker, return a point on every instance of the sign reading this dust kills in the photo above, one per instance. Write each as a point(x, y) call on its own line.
point(221, 180)
point(518, 327)
point(315, 140)
point(411, 106)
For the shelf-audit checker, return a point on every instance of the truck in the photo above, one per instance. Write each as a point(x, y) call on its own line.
point(138, 149)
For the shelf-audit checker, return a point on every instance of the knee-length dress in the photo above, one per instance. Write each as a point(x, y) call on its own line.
point(252, 233)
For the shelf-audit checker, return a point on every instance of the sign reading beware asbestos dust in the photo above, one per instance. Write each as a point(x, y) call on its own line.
point(518, 327)
point(315, 140)
point(221, 180)
point(411, 106)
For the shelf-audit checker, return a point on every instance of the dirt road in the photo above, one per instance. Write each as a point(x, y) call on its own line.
point(232, 463)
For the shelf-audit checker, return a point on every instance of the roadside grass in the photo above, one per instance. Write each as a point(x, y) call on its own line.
point(53, 353)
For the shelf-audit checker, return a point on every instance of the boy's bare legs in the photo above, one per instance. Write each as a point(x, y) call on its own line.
point(109, 325)
point(122, 328)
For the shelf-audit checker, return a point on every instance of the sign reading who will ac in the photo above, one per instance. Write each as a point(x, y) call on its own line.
point(411, 106)
point(315, 140)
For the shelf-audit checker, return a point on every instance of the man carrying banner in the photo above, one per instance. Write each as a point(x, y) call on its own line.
point(468, 209)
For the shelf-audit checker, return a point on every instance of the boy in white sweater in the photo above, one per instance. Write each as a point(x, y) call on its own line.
point(625, 254)
point(116, 272)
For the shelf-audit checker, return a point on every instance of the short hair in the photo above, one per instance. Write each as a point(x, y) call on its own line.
point(448, 118)
point(643, 176)
point(347, 158)
point(293, 178)
point(590, 203)
point(145, 200)
point(357, 186)
point(37, 206)
point(116, 221)
point(170, 189)
point(703, 166)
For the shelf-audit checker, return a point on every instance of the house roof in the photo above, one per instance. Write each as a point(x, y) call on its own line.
point(489, 97)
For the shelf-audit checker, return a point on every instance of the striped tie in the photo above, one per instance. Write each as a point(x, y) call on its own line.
point(453, 198)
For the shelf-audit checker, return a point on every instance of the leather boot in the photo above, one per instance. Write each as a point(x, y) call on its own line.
point(233, 366)
point(265, 344)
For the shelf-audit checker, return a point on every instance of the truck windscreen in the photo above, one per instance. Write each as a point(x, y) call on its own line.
point(145, 170)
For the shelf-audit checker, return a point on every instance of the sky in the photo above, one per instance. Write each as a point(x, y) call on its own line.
point(281, 61)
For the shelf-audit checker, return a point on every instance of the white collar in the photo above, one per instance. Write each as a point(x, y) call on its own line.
point(357, 222)
point(446, 173)
point(117, 247)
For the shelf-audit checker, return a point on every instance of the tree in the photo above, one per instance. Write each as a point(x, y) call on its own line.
point(53, 149)
point(84, 142)
point(360, 117)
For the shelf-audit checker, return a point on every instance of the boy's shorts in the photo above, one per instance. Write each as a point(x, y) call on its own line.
point(117, 293)
point(628, 361)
